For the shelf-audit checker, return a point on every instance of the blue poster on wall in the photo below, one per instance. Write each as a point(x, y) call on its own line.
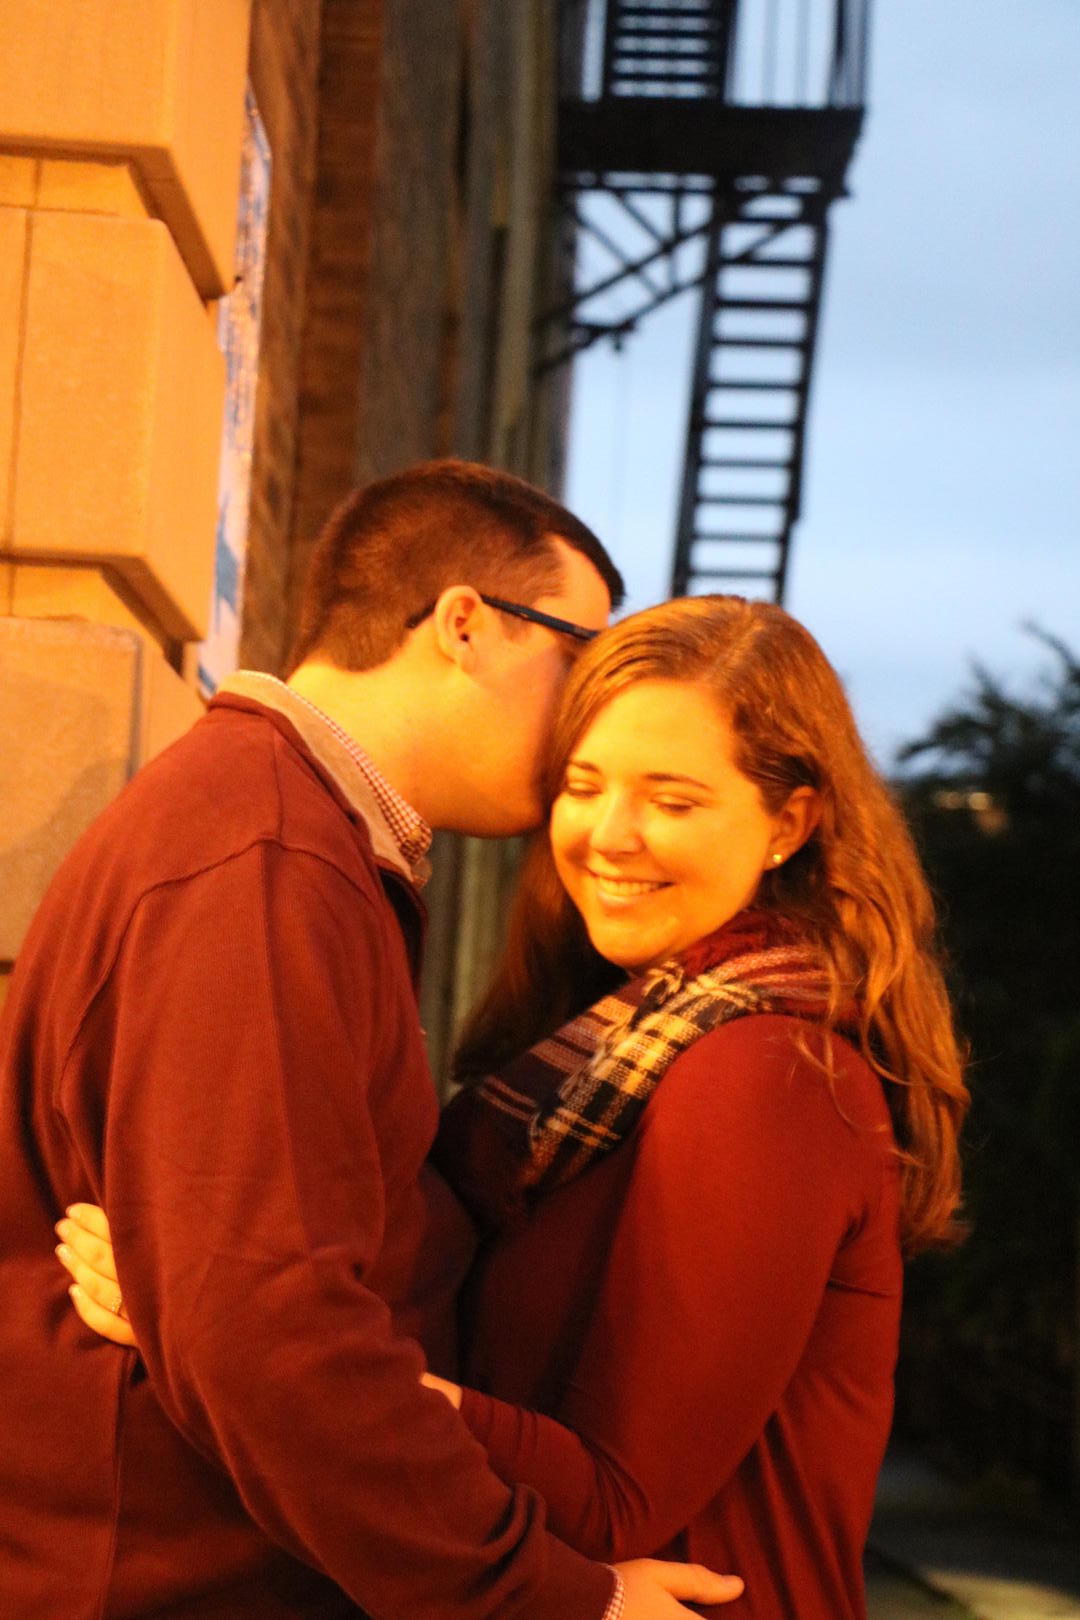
point(239, 316)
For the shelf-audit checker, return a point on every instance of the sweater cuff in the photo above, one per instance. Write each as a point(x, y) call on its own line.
point(478, 1412)
point(489, 1418)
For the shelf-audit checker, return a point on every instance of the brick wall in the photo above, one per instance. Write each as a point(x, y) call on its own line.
point(338, 291)
point(426, 210)
point(285, 62)
point(414, 204)
point(462, 206)
point(375, 383)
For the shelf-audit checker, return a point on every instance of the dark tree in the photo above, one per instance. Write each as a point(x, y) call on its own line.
point(991, 1353)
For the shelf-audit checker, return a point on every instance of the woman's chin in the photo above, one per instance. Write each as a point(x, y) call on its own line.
point(628, 949)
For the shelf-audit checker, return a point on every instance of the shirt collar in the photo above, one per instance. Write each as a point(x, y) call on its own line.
point(342, 755)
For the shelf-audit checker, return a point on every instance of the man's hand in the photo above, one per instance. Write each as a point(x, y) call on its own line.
point(653, 1588)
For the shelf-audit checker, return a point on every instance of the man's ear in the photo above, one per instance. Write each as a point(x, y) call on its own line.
point(456, 619)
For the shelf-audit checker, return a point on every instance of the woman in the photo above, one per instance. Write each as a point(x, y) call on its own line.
point(683, 1326)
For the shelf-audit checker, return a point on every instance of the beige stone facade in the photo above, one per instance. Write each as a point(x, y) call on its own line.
point(116, 233)
point(411, 150)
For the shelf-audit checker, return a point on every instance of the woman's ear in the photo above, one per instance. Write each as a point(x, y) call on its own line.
point(456, 619)
point(793, 825)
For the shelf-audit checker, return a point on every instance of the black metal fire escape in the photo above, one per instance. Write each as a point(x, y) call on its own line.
point(701, 143)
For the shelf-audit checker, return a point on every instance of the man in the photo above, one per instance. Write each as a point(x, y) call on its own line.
point(212, 1031)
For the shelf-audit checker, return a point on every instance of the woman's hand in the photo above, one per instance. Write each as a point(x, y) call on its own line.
point(652, 1588)
point(444, 1386)
point(85, 1251)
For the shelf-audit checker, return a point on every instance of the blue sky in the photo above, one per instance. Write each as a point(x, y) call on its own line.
point(942, 497)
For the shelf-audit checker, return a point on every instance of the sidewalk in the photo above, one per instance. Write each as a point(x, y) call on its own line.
point(937, 1549)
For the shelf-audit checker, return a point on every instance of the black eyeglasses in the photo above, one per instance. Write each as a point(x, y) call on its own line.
point(519, 611)
point(534, 616)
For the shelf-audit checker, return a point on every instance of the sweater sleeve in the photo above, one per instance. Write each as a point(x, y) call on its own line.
point(744, 1181)
point(245, 1181)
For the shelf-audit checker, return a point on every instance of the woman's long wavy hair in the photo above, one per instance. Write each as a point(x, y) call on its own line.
point(856, 888)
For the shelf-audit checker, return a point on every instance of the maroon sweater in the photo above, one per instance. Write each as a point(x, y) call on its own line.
point(212, 1031)
point(698, 1335)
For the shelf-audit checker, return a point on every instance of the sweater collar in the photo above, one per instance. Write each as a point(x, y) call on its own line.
point(397, 839)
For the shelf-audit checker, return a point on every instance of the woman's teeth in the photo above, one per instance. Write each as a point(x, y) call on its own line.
point(623, 888)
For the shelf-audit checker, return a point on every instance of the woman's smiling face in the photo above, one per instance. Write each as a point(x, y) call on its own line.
point(657, 835)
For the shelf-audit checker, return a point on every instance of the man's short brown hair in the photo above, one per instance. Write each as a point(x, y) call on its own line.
point(391, 548)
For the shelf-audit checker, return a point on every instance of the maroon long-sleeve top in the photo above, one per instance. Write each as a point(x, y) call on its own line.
point(689, 1349)
point(212, 1031)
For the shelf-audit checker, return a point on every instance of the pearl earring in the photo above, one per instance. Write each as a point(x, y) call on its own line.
point(777, 858)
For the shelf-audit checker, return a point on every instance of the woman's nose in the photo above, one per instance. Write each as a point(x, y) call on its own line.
point(615, 831)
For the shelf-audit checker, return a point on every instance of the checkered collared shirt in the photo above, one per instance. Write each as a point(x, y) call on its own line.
point(617, 1604)
point(411, 832)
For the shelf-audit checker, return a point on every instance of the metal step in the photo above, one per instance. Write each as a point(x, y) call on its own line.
point(734, 539)
point(760, 343)
point(742, 262)
point(746, 463)
point(735, 573)
point(753, 385)
point(740, 500)
point(739, 423)
point(627, 13)
point(801, 304)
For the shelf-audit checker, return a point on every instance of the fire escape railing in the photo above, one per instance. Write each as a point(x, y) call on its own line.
point(754, 53)
point(701, 145)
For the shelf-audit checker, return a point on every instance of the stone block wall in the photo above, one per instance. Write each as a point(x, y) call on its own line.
point(118, 203)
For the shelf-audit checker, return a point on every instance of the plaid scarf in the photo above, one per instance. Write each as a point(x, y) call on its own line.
point(578, 1093)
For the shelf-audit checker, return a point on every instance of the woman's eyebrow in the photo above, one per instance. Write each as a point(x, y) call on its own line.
point(647, 776)
point(672, 776)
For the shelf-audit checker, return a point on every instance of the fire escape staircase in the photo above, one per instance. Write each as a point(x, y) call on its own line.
point(707, 155)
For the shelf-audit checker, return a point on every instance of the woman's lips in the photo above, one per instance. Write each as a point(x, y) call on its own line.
point(622, 890)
